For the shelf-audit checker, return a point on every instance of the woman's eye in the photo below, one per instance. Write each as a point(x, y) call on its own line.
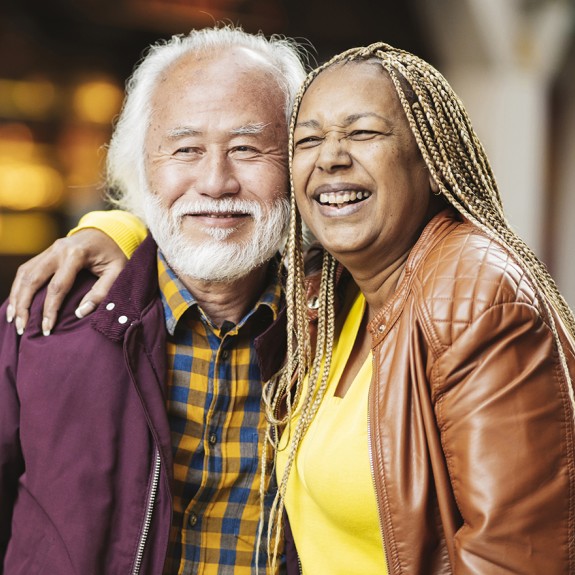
point(362, 134)
point(307, 142)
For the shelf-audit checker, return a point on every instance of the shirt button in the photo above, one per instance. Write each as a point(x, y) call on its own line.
point(110, 306)
point(193, 519)
point(225, 354)
point(213, 439)
point(122, 319)
point(381, 328)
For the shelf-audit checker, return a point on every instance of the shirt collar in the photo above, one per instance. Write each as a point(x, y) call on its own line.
point(177, 300)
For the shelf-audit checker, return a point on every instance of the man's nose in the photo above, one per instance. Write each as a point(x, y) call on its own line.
point(218, 177)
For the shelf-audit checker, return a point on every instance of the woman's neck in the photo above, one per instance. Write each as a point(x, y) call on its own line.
point(378, 286)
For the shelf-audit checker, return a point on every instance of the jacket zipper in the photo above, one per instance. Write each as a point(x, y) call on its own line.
point(370, 450)
point(148, 515)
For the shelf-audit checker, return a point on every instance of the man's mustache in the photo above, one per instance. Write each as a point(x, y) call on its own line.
point(211, 206)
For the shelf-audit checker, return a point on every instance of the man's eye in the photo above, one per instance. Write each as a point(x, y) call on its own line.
point(244, 152)
point(186, 150)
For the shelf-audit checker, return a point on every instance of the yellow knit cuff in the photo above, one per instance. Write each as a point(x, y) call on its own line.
point(124, 228)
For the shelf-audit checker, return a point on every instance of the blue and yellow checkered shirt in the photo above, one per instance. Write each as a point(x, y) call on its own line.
point(217, 422)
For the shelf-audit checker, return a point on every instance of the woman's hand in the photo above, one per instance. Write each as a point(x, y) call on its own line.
point(88, 249)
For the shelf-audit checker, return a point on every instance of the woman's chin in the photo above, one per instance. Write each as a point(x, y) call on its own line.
point(347, 251)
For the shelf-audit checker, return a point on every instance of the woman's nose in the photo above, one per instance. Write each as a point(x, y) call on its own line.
point(333, 154)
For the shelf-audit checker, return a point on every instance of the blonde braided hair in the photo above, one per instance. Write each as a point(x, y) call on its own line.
point(459, 165)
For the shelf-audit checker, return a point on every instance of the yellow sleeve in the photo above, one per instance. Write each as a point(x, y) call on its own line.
point(124, 228)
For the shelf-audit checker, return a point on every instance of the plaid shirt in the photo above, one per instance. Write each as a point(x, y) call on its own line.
point(216, 420)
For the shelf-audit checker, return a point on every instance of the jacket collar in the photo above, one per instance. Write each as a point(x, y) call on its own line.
point(137, 287)
point(133, 291)
point(439, 226)
point(271, 347)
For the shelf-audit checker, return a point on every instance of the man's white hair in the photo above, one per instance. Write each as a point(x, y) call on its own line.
point(125, 172)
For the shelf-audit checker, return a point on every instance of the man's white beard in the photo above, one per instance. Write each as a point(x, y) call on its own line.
point(219, 258)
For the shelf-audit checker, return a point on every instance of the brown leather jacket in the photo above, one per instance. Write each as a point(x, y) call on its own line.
point(471, 425)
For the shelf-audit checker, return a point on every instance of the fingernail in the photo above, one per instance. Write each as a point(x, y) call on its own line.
point(46, 328)
point(10, 313)
point(19, 326)
point(84, 309)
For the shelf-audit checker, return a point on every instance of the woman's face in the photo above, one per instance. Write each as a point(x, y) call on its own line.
point(360, 182)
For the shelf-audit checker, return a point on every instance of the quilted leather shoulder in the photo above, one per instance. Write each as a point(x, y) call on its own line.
point(460, 274)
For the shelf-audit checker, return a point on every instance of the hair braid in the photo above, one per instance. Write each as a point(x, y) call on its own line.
point(318, 372)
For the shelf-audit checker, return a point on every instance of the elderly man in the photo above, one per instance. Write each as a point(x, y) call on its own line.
point(130, 438)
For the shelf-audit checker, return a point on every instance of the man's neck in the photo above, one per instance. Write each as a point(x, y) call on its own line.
point(229, 300)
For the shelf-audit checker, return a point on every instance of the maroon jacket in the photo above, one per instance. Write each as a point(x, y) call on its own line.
point(85, 449)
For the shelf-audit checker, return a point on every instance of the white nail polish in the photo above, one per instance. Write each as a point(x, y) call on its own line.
point(45, 328)
point(84, 309)
point(19, 326)
point(10, 313)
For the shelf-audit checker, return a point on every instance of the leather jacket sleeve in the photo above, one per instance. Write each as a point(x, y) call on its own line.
point(506, 425)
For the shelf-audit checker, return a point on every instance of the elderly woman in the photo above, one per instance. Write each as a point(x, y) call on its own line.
point(431, 427)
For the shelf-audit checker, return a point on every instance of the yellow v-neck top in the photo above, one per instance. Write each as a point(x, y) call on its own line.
point(330, 498)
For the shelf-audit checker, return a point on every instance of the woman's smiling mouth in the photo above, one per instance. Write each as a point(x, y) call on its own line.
point(342, 198)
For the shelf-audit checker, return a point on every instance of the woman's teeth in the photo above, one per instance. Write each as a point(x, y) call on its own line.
point(340, 198)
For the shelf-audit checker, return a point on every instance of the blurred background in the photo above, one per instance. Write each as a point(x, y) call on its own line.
point(63, 65)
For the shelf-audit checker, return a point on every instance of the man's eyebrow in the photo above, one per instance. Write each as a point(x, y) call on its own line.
point(249, 129)
point(182, 132)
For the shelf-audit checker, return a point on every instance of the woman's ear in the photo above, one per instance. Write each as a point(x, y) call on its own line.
point(434, 187)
